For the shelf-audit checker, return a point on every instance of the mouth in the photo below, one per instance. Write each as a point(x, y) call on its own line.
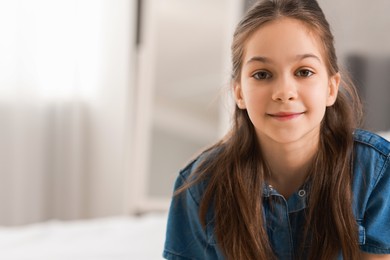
point(284, 116)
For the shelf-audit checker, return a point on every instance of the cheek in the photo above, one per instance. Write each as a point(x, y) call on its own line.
point(318, 94)
point(318, 102)
point(255, 97)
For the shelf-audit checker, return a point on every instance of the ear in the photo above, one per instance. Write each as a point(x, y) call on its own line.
point(333, 89)
point(238, 97)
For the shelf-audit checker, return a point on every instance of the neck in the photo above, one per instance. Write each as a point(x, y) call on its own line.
point(288, 164)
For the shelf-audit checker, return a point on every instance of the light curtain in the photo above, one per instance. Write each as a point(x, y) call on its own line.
point(66, 103)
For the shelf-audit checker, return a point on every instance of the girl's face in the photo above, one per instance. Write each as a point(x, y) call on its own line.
point(285, 86)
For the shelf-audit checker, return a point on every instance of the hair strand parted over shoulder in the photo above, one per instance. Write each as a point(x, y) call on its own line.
point(236, 173)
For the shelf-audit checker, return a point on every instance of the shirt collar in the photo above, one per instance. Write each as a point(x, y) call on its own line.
point(296, 202)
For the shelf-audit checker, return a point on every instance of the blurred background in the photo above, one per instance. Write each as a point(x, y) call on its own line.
point(103, 101)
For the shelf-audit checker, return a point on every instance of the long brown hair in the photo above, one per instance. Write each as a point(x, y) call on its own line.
point(237, 172)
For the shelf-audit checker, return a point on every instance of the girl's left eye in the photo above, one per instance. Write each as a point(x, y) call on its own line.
point(304, 73)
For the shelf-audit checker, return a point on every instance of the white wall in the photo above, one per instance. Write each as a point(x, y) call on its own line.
point(359, 26)
point(183, 76)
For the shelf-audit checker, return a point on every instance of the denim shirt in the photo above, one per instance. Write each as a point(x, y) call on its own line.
point(187, 239)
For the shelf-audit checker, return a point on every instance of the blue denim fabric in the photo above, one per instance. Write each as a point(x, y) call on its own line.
point(186, 239)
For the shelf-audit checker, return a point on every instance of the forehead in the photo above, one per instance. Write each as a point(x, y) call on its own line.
point(281, 39)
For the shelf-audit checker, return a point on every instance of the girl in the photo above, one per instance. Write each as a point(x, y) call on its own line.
point(294, 178)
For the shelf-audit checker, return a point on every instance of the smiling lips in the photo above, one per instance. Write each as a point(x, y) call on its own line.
point(285, 116)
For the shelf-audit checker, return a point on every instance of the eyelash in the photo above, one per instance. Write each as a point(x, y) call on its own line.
point(267, 75)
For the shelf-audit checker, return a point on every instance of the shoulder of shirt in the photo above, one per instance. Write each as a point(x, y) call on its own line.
point(192, 165)
point(373, 141)
point(186, 174)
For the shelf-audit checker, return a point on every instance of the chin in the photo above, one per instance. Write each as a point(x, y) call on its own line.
point(289, 137)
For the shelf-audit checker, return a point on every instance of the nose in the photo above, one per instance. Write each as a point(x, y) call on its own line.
point(284, 90)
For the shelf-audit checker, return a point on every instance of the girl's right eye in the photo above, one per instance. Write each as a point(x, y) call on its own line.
point(260, 75)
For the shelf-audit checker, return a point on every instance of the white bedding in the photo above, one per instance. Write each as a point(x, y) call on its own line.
point(114, 238)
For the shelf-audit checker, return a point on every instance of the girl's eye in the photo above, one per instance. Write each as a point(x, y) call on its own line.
point(304, 73)
point(261, 75)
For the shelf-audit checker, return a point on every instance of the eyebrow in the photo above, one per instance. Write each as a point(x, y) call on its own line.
point(298, 57)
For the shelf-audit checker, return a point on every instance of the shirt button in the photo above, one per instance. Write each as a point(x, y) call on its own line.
point(301, 193)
